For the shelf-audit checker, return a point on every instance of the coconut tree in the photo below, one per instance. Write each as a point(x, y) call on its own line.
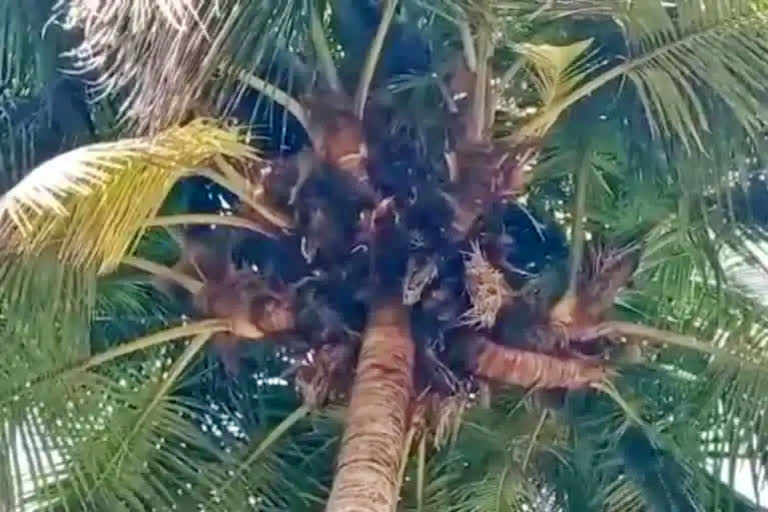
point(383, 227)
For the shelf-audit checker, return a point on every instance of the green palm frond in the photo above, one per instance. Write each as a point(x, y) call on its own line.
point(725, 394)
point(623, 496)
point(494, 464)
point(499, 491)
point(28, 54)
point(130, 446)
point(33, 130)
point(679, 58)
point(69, 440)
point(692, 437)
point(102, 464)
point(439, 476)
point(129, 432)
point(42, 111)
point(119, 436)
point(43, 287)
point(684, 285)
point(83, 202)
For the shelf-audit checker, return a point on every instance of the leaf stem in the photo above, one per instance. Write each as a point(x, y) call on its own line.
point(274, 435)
point(243, 192)
point(277, 95)
point(422, 458)
point(372, 59)
point(208, 327)
point(197, 343)
point(190, 284)
point(409, 437)
point(468, 44)
point(320, 42)
point(534, 436)
point(207, 219)
point(658, 336)
point(502, 483)
point(581, 178)
point(478, 120)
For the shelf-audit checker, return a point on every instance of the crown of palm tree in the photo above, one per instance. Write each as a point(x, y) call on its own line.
point(396, 246)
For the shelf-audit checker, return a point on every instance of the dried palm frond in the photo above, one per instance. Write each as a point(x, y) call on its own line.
point(608, 271)
point(530, 369)
point(241, 180)
point(315, 377)
point(420, 271)
point(604, 272)
point(163, 55)
point(447, 416)
point(84, 202)
point(487, 288)
point(118, 34)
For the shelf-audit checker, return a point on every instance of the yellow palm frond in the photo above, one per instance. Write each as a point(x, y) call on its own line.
point(553, 66)
point(93, 202)
point(555, 72)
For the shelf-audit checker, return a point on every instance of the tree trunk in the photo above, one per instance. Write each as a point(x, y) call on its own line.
point(527, 368)
point(377, 418)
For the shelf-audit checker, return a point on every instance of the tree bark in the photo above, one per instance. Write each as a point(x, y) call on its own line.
point(527, 368)
point(377, 418)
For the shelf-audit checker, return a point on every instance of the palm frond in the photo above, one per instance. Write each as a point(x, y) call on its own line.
point(686, 223)
point(33, 130)
point(442, 472)
point(623, 496)
point(728, 391)
point(43, 288)
point(679, 58)
point(120, 435)
point(163, 58)
point(129, 447)
point(556, 72)
point(29, 53)
point(127, 437)
point(498, 492)
point(83, 201)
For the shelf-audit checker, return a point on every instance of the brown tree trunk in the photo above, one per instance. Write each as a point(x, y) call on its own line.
point(377, 418)
point(529, 369)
